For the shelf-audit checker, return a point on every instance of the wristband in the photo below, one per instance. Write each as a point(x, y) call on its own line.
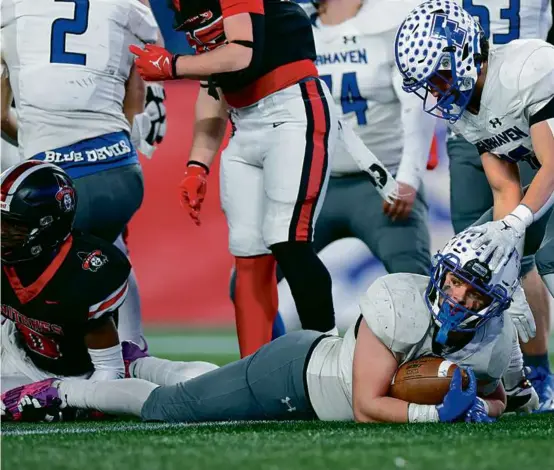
point(422, 413)
point(523, 213)
point(200, 164)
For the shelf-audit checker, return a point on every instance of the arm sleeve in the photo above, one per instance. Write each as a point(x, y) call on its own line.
point(419, 128)
point(109, 303)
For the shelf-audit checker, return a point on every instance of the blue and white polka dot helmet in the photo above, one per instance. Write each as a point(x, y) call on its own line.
point(437, 51)
point(458, 258)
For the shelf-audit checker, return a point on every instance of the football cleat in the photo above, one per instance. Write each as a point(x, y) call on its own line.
point(543, 383)
point(522, 398)
point(131, 352)
point(39, 401)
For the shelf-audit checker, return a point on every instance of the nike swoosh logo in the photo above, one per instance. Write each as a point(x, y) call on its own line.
point(277, 124)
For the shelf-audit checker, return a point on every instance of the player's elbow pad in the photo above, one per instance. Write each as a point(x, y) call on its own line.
point(108, 363)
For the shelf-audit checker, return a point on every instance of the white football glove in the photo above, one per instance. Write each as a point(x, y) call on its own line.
point(149, 127)
point(499, 238)
point(521, 316)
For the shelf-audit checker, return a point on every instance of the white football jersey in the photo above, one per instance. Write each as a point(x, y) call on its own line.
point(505, 20)
point(68, 62)
point(401, 320)
point(519, 82)
point(356, 60)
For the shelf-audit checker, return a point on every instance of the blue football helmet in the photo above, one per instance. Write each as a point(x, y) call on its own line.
point(438, 49)
point(458, 258)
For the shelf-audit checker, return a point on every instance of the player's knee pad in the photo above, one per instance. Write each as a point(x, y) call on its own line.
point(246, 242)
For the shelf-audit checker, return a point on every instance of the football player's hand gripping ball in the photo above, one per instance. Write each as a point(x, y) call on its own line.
point(458, 401)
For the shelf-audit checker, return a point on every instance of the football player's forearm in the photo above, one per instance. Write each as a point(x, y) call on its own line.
point(381, 410)
point(539, 197)
point(9, 125)
point(505, 201)
point(9, 118)
point(228, 58)
point(210, 124)
point(208, 136)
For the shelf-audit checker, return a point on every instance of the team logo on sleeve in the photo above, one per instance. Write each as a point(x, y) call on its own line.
point(92, 261)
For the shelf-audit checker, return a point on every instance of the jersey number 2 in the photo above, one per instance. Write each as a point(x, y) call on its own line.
point(483, 14)
point(64, 26)
point(350, 97)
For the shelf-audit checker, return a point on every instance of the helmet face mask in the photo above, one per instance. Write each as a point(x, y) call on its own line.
point(489, 293)
point(436, 50)
point(38, 210)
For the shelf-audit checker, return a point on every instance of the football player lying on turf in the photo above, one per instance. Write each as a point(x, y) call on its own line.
point(61, 289)
point(459, 313)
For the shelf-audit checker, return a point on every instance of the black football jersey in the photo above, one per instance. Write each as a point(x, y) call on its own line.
point(282, 35)
point(82, 286)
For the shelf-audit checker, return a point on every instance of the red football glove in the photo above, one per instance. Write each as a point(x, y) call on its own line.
point(193, 190)
point(154, 63)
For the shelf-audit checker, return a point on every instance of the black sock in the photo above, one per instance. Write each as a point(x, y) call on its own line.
point(309, 282)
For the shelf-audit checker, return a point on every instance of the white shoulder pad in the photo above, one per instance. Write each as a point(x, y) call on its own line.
point(395, 310)
point(528, 69)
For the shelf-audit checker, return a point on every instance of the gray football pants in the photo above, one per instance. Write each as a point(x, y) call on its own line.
point(267, 385)
point(470, 191)
point(106, 201)
point(353, 208)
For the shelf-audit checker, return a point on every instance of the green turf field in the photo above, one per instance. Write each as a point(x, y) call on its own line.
point(515, 443)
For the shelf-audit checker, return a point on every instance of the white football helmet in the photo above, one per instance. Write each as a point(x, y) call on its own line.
point(458, 258)
point(438, 50)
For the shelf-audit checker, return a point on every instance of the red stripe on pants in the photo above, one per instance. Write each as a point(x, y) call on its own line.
point(316, 177)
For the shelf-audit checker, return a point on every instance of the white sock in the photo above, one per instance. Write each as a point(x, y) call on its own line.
point(125, 396)
point(129, 325)
point(165, 372)
point(548, 279)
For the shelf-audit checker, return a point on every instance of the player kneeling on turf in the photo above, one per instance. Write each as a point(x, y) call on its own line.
point(61, 290)
point(460, 314)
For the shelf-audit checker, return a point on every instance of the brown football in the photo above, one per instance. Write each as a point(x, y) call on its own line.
point(424, 381)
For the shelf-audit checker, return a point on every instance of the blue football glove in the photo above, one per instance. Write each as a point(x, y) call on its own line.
point(458, 401)
point(478, 413)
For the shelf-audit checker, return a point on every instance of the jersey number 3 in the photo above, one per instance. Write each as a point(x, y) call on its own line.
point(511, 13)
point(350, 98)
point(64, 26)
